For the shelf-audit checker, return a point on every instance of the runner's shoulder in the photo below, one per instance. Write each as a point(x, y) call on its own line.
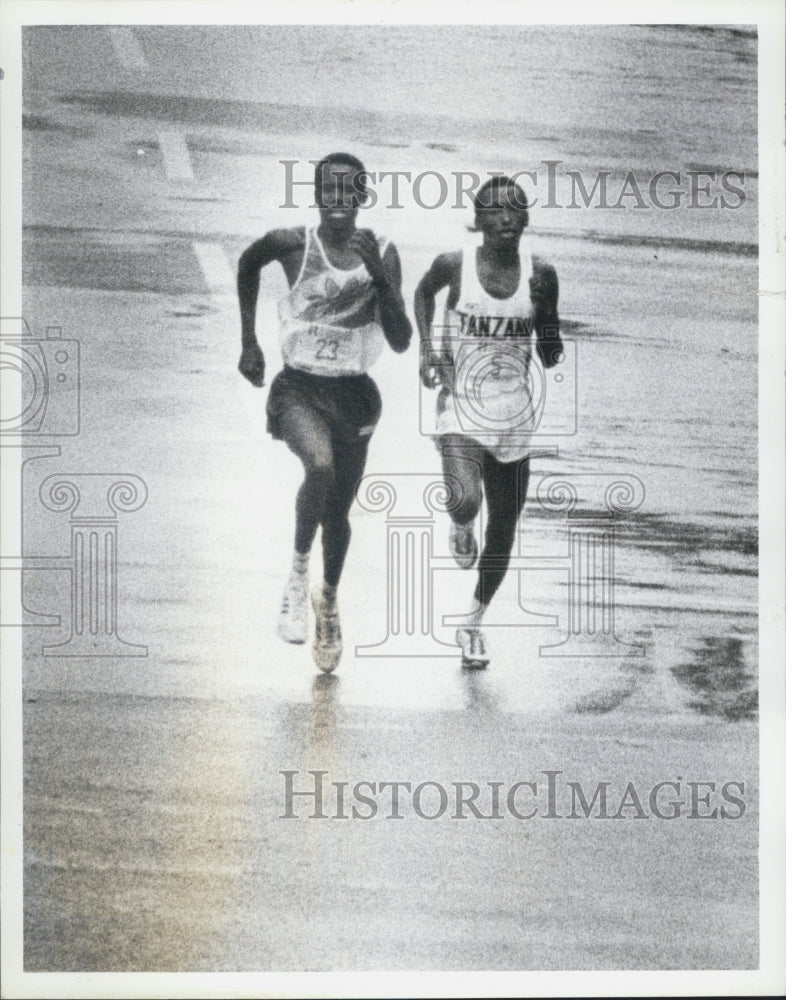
point(286, 240)
point(379, 237)
point(450, 260)
point(446, 267)
point(276, 244)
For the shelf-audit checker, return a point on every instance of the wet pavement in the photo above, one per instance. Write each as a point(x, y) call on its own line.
point(154, 792)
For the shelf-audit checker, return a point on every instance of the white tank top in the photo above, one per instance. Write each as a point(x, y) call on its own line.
point(329, 319)
point(490, 340)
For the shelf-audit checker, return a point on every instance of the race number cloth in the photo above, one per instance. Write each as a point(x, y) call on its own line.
point(487, 344)
point(329, 320)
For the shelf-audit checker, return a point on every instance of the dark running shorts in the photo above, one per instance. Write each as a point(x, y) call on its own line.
point(350, 404)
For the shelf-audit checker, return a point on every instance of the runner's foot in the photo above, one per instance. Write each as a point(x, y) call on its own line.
point(474, 652)
point(293, 618)
point(327, 634)
point(463, 544)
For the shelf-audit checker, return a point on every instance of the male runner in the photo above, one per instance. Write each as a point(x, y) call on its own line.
point(501, 303)
point(344, 302)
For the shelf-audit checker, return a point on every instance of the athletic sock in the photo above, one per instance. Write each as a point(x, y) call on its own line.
point(329, 594)
point(474, 617)
point(300, 562)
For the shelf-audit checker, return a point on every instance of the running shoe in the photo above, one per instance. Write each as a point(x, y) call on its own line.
point(463, 544)
point(293, 618)
point(474, 652)
point(327, 646)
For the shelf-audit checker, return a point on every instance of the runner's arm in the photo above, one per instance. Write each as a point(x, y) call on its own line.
point(392, 312)
point(386, 275)
point(544, 290)
point(273, 246)
point(443, 272)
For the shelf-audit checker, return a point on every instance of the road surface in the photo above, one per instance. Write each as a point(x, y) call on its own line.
point(154, 792)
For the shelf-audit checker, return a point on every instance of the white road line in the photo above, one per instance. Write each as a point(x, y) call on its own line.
point(127, 48)
point(177, 160)
point(215, 267)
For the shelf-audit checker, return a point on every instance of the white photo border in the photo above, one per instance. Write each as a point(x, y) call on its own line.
point(771, 977)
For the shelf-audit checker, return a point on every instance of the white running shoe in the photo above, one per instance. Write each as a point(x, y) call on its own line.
point(327, 646)
point(463, 544)
point(474, 651)
point(293, 618)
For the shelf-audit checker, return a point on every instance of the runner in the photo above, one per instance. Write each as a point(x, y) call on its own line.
point(499, 297)
point(344, 301)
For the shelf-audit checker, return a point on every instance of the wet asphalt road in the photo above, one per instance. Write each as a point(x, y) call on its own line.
point(154, 793)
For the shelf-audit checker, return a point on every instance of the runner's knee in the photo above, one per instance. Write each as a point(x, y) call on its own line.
point(320, 477)
point(317, 458)
point(467, 504)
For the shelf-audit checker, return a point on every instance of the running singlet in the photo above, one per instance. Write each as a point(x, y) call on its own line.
point(329, 323)
point(488, 343)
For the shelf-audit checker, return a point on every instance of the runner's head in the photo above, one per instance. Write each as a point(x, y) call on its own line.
point(501, 211)
point(340, 190)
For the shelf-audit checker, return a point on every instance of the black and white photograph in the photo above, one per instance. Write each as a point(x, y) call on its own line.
point(393, 499)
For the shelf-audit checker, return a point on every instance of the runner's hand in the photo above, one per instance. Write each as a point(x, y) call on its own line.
point(364, 243)
point(432, 370)
point(252, 365)
point(538, 291)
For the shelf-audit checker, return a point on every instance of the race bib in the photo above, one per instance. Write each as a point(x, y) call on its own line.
point(331, 350)
point(491, 368)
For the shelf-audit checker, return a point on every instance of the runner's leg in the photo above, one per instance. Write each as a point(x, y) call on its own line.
point(505, 485)
point(462, 469)
point(350, 461)
point(307, 434)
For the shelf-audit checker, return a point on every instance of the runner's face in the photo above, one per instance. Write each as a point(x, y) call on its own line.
point(339, 198)
point(501, 220)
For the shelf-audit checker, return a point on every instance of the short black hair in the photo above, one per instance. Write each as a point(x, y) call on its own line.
point(345, 159)
point(502, 182)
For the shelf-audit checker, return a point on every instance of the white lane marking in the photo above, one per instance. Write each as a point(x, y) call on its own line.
point(177, 160)
point(127, 48)
point(213, 260)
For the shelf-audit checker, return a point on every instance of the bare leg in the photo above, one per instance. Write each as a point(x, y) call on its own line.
point(506, 489)
point(307, 434)
point(462, 468)
point(350, 461)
